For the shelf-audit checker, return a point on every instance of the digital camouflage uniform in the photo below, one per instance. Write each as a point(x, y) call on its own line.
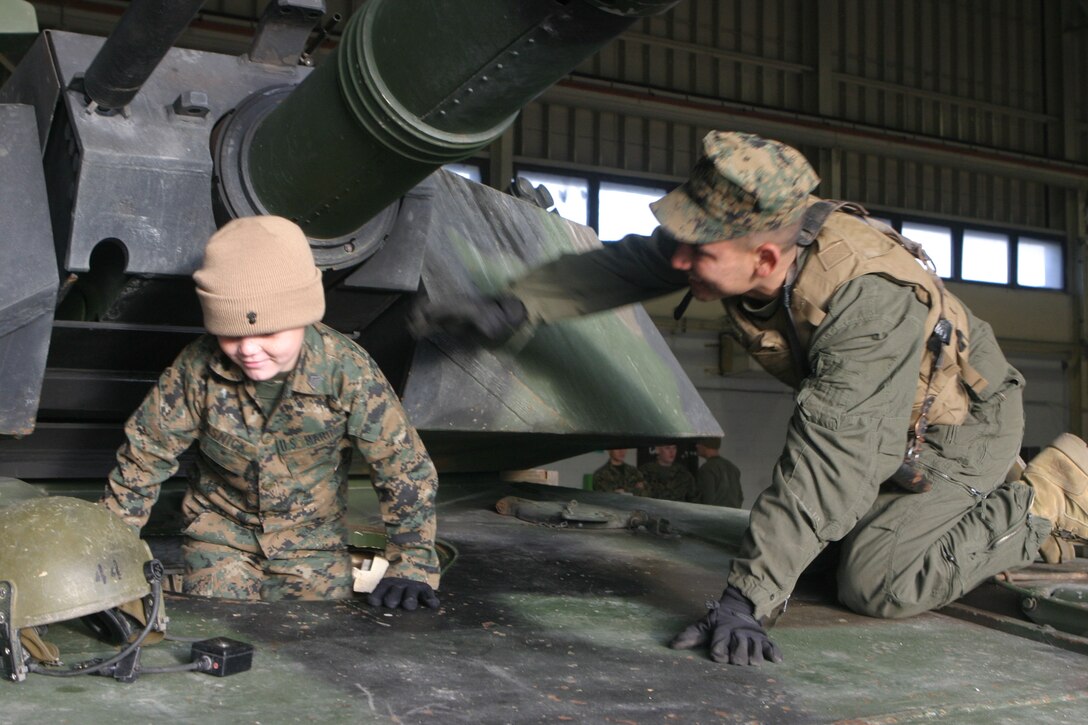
point(609, 478)
point(265, 508)
point(718, 483)
point(673, 483)
point(904, 553)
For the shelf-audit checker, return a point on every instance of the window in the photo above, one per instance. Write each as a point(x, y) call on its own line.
point(937, 241)
point(614, 207)
point(985, 257)
point(625, 209)
point(570, 194)
point(1039, 263)
point(469, 171)
point(618, 207)
point(992, 256)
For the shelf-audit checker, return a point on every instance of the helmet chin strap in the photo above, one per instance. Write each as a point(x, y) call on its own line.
point(111, 625)
point(153, 572)
point(683, 306)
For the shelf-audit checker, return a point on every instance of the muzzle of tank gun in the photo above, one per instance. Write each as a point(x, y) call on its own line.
point(413, 85)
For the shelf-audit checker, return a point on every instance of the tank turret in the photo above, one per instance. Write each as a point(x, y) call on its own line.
point(128, 152)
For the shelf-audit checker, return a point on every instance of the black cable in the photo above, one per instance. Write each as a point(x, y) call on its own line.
point(153, 572)
point(204, 664)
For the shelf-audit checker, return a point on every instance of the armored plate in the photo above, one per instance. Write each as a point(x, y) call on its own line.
point(545, 624)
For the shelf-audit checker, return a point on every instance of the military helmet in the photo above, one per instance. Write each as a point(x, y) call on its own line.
point(65, 558)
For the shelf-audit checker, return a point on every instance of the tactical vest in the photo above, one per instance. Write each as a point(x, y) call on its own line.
point(843, 243)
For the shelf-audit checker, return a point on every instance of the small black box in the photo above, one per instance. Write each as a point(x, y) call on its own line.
point(228, 656)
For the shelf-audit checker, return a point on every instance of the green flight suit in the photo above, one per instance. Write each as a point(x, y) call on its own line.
point(609, 478)
point(673, 483)
point(903, 553)
point(718, 483)
point(274, 487)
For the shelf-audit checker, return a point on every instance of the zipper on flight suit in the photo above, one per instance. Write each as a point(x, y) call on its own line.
point(1008, 534)
point(941, 474)
point(952, 567)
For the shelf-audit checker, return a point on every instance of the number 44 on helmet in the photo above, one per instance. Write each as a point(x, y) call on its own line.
point(63, 558)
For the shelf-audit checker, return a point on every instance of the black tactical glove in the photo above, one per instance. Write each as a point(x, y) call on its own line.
point(485, 320)
point(393, 592)
point(732, 631)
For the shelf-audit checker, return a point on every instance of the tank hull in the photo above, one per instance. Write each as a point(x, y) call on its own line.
point(125, 200)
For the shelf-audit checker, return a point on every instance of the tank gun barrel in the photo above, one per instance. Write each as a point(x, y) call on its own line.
point(414, 84)
point(134, 48)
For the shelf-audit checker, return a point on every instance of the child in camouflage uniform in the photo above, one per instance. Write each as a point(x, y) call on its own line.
point(276, 403)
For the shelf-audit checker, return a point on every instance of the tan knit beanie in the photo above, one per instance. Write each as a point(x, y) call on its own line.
point(258, 278)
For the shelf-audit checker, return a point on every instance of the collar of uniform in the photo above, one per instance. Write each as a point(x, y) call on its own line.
point(304, 379)
point(222, 366)
point(761, 309)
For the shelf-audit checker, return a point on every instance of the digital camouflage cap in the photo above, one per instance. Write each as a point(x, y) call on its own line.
point(741, 184)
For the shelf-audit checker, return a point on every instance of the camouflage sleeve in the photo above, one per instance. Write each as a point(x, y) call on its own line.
point(160, 430)
point(402, 474)
point(634, 269)
point(605, 480)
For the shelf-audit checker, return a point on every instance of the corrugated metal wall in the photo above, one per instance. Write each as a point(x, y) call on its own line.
point(1076, 90)
point(750, 52)
point(976, 95)
point(960, 78)
point(969, 70)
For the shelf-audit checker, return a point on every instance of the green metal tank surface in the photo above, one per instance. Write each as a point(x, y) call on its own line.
point(125, 155)
point(416, 84)
point(540, 623)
